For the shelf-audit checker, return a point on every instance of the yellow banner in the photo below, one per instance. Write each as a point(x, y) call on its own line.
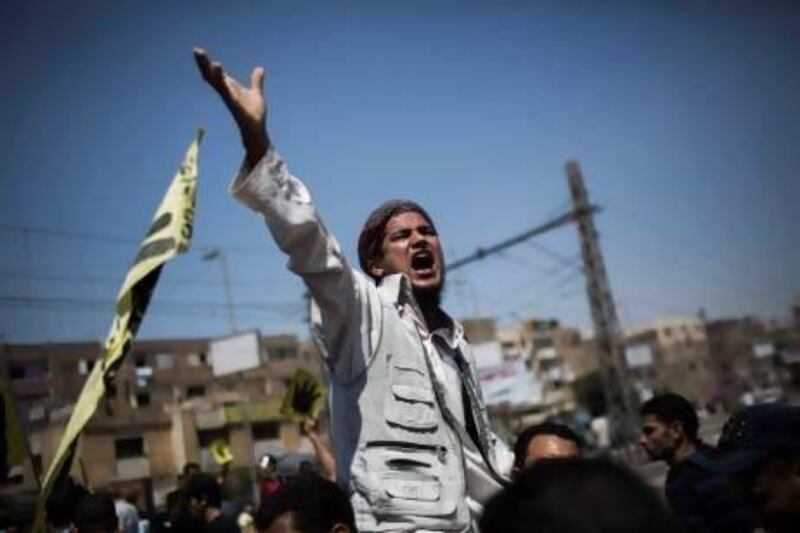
point(305, 397)
point(170, 233)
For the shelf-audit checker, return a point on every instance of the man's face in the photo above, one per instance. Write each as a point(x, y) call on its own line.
point(549, 447)
point(189, 472)
point(659, 439)
point(411, 246)
point(772, 494)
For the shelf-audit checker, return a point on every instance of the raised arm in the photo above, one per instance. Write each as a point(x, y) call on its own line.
point(324, 455)
point(347, 312)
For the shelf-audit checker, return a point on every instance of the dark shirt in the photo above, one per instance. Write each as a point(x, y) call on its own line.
point(703, 500)
point(179, 513)
point(222, 524)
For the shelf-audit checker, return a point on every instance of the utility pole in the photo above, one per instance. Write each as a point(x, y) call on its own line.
point(218, 253)
point(621, 402)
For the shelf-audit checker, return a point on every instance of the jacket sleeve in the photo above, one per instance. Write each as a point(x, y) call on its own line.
point(346, 311)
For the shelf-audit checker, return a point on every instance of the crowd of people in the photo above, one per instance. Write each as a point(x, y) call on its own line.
point(749, 481)
point(413, 449)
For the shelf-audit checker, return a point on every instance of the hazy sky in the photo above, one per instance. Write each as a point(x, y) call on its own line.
point(685, 117)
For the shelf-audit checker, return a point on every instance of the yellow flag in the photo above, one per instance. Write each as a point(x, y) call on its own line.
point(305, 397)
point(221, 452)
point(170, 233)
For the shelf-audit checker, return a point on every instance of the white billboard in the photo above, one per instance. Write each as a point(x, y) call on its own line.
point(763, 349)
point(639, 356)
point(234, 353)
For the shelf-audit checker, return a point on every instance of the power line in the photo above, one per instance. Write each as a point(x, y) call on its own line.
point(565, 218)
point(558, 256)
point(109, 238)
point(519, 290)
point(67, 303)
point(70, 278)
point(730, 281)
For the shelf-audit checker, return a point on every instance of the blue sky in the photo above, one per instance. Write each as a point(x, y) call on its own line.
point(684, 117)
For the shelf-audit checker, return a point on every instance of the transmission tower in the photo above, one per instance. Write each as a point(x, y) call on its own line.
point(621, 402)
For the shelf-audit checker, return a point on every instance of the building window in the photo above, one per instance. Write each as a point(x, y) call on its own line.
point(36, 462)
point(142, 399)
point(129, 448)
point(195, 391)
point(206, 436)
point(196, 358)
point(285, 352)
point(27, 369)
point(36, 413)
point(164, 361)
point(266, 430)
point(85, 366)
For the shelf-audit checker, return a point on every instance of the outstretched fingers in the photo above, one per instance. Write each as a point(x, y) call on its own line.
point(203, 63)
point(212, 72)
point(257, 80)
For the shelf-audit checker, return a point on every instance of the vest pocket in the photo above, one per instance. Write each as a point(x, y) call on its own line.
point(410, 403)
point(411, 408)
point(405, 479)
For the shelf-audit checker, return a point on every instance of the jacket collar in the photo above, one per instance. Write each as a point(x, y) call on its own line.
point(397, 289)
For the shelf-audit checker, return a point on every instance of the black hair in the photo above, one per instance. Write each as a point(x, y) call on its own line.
point(96, 514)
point(191, 466)
point(62, 502)
point(315, 503)
point(577, 496)
point(371, 238)
point(670, 408)
point(205, 488)
point(546, 428)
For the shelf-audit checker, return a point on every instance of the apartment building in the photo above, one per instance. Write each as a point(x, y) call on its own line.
point(671, 354)
point(165, 410)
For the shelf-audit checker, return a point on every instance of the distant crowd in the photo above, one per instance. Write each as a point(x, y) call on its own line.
point(749, 481)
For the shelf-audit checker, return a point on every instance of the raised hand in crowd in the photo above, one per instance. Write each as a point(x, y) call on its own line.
point(324, 455)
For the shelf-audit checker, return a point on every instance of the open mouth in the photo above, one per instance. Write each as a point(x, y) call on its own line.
point(422, 262)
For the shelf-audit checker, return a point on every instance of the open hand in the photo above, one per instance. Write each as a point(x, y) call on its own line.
point(246, 104)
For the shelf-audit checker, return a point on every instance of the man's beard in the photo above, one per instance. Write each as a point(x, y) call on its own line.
point(429, 297)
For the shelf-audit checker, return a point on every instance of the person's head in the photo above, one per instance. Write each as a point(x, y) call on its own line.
point(399, 236)
point(760, 449)
point(190, 469)
point(62, 503)
point(204, 493)
point(96, 514)
point(267, 465)
point(669, 421)
point(307, 504)
point(545, 441)
point(576, 496)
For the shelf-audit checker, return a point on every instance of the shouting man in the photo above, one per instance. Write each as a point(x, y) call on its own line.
point(410, 432)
